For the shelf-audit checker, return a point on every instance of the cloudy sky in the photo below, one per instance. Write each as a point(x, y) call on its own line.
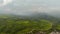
point(29, 6)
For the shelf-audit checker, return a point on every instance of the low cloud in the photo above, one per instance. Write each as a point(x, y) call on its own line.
point(31, 6)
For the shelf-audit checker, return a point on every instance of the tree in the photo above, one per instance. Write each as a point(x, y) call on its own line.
point(40, 27)
point(58, 27)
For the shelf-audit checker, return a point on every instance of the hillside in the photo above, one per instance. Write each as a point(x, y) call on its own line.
point(19, 24)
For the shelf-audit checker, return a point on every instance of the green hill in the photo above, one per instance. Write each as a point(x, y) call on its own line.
point(36, 23)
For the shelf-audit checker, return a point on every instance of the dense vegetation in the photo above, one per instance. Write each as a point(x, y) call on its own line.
point(42, 24)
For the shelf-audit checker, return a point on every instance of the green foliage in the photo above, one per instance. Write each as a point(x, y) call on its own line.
point(16, 25)
point(45, 25)
point(58, 26)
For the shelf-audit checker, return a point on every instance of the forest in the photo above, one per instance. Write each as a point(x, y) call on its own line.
point(38, 24)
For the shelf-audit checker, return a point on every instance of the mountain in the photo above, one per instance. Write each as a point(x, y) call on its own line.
point(55, 13)
point(35, 16)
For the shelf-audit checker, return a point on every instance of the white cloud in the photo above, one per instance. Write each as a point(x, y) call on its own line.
point(25, 6)
point(6, 2)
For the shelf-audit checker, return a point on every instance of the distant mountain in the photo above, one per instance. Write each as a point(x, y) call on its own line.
point(35, 16)
point(55, 13)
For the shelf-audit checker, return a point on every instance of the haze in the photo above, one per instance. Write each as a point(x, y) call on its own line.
point(30, 6)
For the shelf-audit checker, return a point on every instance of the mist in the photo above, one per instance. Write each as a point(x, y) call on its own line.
point(25, 7)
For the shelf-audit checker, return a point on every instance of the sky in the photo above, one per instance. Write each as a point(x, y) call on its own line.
point(29, 6)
